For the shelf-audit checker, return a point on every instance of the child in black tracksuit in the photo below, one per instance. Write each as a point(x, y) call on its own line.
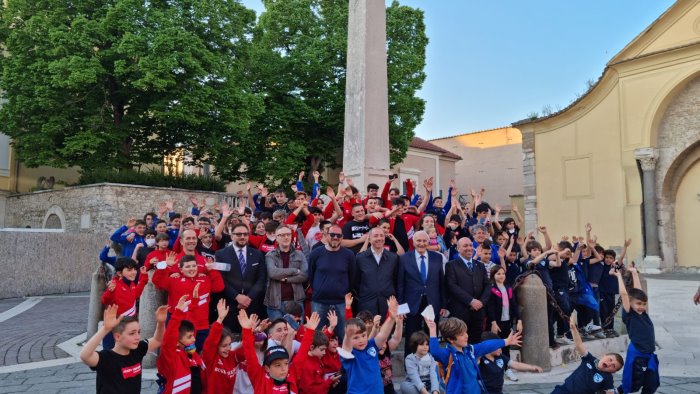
point(641, 369)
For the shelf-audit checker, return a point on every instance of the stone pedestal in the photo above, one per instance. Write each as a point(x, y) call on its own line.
point(532, 296)
point(366, 142)
point(651, 265)
point(96, 310)
point(151, 299)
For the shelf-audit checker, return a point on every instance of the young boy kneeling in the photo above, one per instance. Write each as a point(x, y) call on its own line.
point(458, 360)
point(593, 375)
point(119, 369)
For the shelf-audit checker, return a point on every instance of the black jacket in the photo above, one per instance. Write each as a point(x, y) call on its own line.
point(464, 285)
point(375, 283)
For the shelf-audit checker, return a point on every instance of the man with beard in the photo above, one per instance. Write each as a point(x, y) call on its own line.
point(245, 282)
point(331, 272)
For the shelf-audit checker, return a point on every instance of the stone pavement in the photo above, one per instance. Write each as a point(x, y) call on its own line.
point(43, 336)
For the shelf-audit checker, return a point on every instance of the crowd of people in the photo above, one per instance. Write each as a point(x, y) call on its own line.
point(326, 286)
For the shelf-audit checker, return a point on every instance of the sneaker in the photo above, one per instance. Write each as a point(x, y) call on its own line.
point(600, 335)
point(511, 375)
point(590, 327)
point(587, 336)
point(563, 340)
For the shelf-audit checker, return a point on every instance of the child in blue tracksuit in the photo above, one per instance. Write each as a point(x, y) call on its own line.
point(641, 369)
point(459, 368)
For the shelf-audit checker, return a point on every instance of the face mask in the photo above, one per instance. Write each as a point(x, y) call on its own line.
point(150, 242)
point(511, 231)
point(191, 348)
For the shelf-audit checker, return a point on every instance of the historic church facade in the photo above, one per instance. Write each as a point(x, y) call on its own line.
point(626, 156)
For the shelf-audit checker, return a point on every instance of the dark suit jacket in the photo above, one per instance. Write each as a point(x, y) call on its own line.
point(464, 285)
point(252, 284)
point(374, 283)
point(409, 285)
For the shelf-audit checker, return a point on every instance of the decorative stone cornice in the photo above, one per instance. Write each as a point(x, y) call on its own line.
point(647, 158)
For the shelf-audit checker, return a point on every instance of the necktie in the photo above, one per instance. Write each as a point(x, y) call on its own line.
point(241, 260)
point(423, 269)
point(469, 265)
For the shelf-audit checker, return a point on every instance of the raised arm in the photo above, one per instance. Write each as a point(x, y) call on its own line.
point(547, 240)
point(580, 348)
point(622, 289)
point(621, 259)
point(157, 338)
point(88, 355)
point(388, 325)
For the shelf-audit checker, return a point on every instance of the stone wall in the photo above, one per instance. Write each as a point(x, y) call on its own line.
point(96, 209)
point(529, 180)
point(41, 263)
point(678, 134)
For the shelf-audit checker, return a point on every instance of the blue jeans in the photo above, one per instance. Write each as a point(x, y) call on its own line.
point(108, 341)
point(562, 297)
point(278, 313)
point(322, 310)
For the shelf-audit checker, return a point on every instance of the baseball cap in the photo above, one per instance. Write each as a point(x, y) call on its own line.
point(275, 353)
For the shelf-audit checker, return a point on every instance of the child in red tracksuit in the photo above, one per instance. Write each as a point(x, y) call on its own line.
point(273, 376)
point(185, 284)
point(178, 361)
point(221, 362)
point(123, 292)
point(309, 369)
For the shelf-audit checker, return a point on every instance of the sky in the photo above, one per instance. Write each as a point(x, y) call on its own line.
point(492, 63)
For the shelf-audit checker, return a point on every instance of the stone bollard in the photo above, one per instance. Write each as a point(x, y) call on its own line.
point(151, 299)
point(95, 310)
point(532, 298)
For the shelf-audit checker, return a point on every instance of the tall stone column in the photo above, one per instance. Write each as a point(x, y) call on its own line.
point(366, 142)
point(647, 158)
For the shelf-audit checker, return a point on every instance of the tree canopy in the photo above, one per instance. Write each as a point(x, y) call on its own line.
point(121, 83)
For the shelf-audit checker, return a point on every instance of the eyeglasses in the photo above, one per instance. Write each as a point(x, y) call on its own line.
point(335, 235)
point(285, 235)
point(240, 234)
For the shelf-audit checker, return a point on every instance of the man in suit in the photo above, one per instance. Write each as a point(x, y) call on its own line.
point(468, 289)
point(375, 275)
point(420, 283)
point(245, 282)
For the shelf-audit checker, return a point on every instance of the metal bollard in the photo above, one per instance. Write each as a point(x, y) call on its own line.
point(151, 299)
point(95, 310)
point(532, 298)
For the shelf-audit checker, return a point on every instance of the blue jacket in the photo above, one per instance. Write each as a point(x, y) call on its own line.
point(464, 375)
point(120, 236)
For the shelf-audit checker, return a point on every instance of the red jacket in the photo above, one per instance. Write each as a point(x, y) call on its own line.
point(308, 223)
point(125, 295)
point(331, 360)
point(261, 380)
point(198, 310)
point(173, 362)
point(310, 373)
point(221, 372)
point(159, 255)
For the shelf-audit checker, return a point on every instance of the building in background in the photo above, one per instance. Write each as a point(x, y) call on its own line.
point(492, 159)
point(626, 155)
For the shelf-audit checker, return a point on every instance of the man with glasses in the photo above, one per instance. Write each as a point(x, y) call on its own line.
point(331, 272)
point(286, 271)
point(245, 282)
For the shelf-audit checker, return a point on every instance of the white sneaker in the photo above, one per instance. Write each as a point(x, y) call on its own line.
point(563, 340)
point(511, 375)
point(600, 335)
point(590, 327)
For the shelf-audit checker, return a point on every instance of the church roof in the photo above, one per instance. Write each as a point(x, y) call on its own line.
point(420, 143)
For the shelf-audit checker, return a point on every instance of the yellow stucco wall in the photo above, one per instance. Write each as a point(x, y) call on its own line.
point(584, 156)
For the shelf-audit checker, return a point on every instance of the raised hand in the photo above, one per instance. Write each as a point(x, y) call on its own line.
point(244, 320)
point(131, 222)
point(514, 339)
point(348, 300)
point(393, 306)
point(248, 186)
point(332, 319)
point(312, 321)
point(195, 292)
point(110, 317)
point(588, 228)
point(182, 303)
point(432, 328)
point(112, 285)
point(194, 201)
point(162, 314)
point(170, 259)
point(316, 175)
point(330, 193)
point(143, 270)
point(341, 177)
point(628, 243)
point(222, 310)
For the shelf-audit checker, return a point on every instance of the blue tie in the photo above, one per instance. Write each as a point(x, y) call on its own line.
point(241, 260)
point(423, 269)
point(469, 265)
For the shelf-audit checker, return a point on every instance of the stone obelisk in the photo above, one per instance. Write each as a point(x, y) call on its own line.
point(366, 142)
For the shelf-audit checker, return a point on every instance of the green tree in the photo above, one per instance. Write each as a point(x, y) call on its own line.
point(119, 83)
point(299, 62)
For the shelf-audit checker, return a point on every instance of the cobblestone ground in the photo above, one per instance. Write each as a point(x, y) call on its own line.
point(34, 334)
point(668, 386)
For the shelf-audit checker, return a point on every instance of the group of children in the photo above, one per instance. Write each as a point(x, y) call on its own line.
point(284, 356)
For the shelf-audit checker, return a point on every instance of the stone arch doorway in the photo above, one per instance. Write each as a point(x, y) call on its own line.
point(678, 144)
